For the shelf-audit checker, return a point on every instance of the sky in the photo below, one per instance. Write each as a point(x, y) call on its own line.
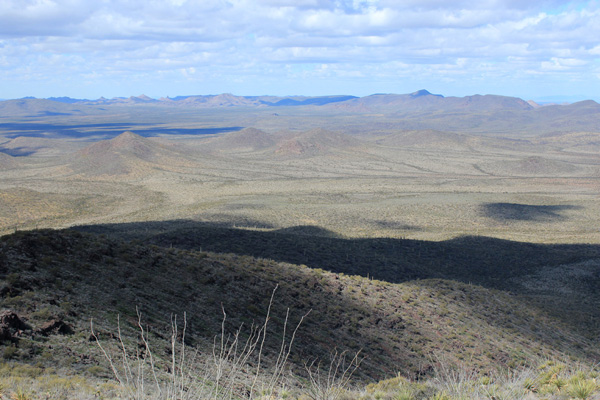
point(533, 49)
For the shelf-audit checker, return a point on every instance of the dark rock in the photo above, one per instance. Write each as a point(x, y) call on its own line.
point(55, 326)
point(11, 326)
point(11, 291)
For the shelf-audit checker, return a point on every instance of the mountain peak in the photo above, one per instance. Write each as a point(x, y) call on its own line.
point(141, 99)
point(126, 141)
point(128, 154)
point(423, 92)
point(126, 137)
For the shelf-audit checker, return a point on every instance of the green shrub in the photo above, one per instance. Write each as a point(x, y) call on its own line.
point(581, 388)
point(10, 352)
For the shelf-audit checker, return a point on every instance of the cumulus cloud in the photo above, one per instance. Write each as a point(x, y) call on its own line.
point(345, 39)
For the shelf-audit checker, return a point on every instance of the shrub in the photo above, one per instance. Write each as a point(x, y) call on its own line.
point(334, 384)
point(222, 376)
point(10, 352)
point(581, 388)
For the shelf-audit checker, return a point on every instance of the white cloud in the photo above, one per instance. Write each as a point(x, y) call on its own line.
point(354, 39)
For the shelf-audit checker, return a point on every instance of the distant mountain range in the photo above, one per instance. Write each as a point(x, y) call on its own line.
point(220, 100)
point(377, 113)
point(422, 97)
point(398, 104)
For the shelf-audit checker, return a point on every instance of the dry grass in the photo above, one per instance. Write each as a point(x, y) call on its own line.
point(233, 371)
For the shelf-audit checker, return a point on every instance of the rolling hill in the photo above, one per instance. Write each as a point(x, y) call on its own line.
point(245, 140)
point(533, 166)
point(316, 142)
point(7, 161)
point(286, 144)
point(425, 139)
point(584, 142)
point(127, 155)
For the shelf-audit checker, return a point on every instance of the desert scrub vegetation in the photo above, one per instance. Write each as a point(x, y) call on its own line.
point(29, 382)
point(233, 371)
point(229, 379)
point(237, 368)
point(549, 380)
point(509, 266)
point(69, 277)
point(397, 325)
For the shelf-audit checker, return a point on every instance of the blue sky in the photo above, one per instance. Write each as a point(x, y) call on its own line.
point(532, 49)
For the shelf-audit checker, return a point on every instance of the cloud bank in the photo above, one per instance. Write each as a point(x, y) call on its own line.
point(161, 47)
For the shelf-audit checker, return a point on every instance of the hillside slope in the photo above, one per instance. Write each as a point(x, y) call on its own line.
point(64, 278)
point(245, 140)
point(7, 161)
point(316, 142)
point(128, 155)
point(492, 263)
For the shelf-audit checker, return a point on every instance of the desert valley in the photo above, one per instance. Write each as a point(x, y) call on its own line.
point(369, 247)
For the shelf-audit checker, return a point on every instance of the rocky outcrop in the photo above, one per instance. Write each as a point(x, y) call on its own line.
point(11, 326)
point(55, 326)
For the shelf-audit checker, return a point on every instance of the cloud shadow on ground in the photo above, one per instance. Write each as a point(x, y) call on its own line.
point(525, 212)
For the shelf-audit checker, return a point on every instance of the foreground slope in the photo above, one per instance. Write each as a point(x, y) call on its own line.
point(496, 264)
point(55, 279)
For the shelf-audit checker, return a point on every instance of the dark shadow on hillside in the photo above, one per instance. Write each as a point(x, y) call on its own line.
point(525, 212)
point(467, 261)
point(489, 262)
point(308, 230)
point(221, 221)
point(395, 225)
point(397, 328)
